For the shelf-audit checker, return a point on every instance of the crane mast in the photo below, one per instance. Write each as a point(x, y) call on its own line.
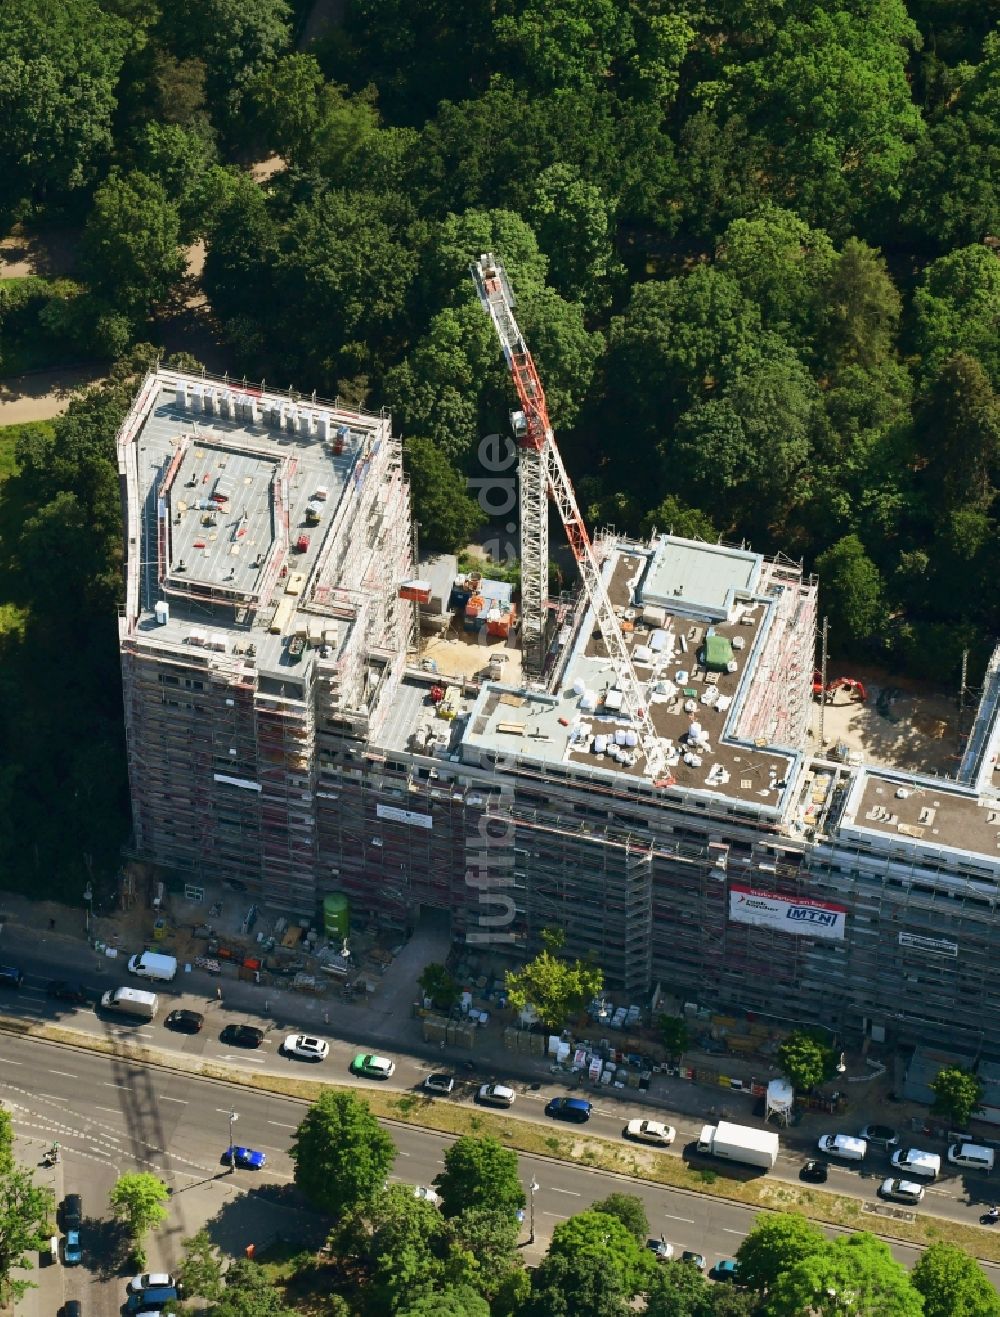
point(542, 474)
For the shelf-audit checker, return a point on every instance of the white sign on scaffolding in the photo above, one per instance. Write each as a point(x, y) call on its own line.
point(802, 916)
point(404, 816)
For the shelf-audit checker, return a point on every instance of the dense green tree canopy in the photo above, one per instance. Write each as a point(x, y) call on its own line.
point(341, 1153)
point(857, 1265)
point(479, 1173)
point(952, 1284)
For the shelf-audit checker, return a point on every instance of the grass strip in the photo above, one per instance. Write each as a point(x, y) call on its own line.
point(595, 1152)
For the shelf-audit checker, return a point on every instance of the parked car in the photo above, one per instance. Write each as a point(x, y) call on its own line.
point(650, 1131)
point(903, 1191)
point(184, 1021)
point(305, 1047)
point(241, 1035)
point(660, 1249)
point(10, 976)
point(428, 1195)
point(845, 1146)
point(727, 1270)
point(74, 993)
point(150, 1280)
point(440, 1083)
point(882, 1136)
point(249, 1158)
point(814, 1171)
point(496, 1095)
point(370, 1066)
point(157, 1298)
point(72, 1249)
point(576, 1110)
point(72, 1308)
point(72, 1212)
point(917, 1162)
point(695, 1259)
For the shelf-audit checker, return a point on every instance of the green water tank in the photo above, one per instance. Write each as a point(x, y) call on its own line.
point(336, 916)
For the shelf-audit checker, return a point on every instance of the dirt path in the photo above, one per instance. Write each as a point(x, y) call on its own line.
point(43, 394)
point(50, 254)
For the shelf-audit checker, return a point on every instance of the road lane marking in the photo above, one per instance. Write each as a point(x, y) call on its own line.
point(560, 1215)
point(253, 1060)
point(727, 1231)
point(275, 1122)
point(182, 1101)
point(65, 1074)
point(572, 1192)
point(115, 1111)
point(686, 1219)
point(8, 1061)
point(110, 1084)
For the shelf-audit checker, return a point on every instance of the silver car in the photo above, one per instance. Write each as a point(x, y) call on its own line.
point(902, 1191)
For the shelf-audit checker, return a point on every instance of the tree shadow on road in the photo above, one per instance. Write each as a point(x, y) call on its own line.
point(264, 1214)
point(108, 1247)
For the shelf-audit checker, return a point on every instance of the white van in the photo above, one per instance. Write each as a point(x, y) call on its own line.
point(915, 1162)
point(137, 1002)
point(845, 1146)
point(151, 965)
point(974, 1156)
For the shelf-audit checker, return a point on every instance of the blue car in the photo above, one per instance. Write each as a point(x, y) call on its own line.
point(727, 1270)
point(72, 1252)
point(249, 1158)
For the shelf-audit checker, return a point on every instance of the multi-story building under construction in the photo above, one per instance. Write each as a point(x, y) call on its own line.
point(280, 733)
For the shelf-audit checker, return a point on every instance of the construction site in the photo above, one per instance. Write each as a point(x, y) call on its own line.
point(637, 764)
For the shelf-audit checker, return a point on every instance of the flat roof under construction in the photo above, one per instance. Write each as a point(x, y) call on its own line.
point(687, 576)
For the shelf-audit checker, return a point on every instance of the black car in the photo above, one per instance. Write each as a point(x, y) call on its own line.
point(815, 1172)
point(72, 1212)
point(72, 1308)
point(185, 1021)
point(74, 993)
point(10, 976)
point(241, 1035)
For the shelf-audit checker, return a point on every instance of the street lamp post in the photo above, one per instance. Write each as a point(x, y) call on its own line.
point(88, 896)
point(532, 1190)
point(233, 1118)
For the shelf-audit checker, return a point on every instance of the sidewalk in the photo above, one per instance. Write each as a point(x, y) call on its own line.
point(385, 1023)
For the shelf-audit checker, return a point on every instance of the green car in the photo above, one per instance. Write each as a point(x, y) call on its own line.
point(373, 1067)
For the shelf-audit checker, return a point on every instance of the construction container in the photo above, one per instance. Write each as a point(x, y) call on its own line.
point(336, 916)
point(302, 543)
point(417, 590)
point(475, 606)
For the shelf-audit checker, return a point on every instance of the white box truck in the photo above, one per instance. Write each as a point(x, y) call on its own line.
point(739, 1143)
point(151, 965)
point(136, 1002)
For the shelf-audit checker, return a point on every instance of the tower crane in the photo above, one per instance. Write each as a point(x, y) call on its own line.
point(541, 474)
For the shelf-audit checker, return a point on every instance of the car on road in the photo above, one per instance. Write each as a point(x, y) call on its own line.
point(695, 1259)
point(72, 1308)
point(158, 1298)
point(660, 1249)
point(901, 1191)
point(576, 1110)
point(427, 1195)
point(917, 1162)
point(249, 1158)
point(440, 1083)
point(72, 1212)
point(650, 1131)
point(815, 1172)
point(241, 1035)
point(72, 1249)
point(496, 1095)
point(305, 1047)
point(370, 1066)
point(150, 1280)
point(727, 1270)
point(10, 976)
point(185, 1021)
point(74, 993)
point(845, 1146)
point(882, 1136)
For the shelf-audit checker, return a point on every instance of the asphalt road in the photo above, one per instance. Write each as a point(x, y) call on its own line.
point(113, 1114)
point(960, 1196)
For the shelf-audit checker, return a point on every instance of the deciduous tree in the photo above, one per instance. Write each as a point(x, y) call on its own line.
point(628, 1209)
point(137, 1199)
point(953, 1284)
point(479, 1173)
point(957, 308)
point(341, 1153)
point(806, 1060)
point(556, 989)
point(775, 1243)
point(958, 1094)
point(249, 1293)
point(857, 1269)
point(853, 592)
point(201, 1267)
point(448, 515)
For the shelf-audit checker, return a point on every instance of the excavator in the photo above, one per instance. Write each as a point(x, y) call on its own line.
point(852, 685)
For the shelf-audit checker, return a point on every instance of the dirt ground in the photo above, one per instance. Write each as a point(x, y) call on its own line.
point(461, 653)
point(902, 723)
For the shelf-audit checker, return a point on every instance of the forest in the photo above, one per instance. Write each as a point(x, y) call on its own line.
point(754, 245)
